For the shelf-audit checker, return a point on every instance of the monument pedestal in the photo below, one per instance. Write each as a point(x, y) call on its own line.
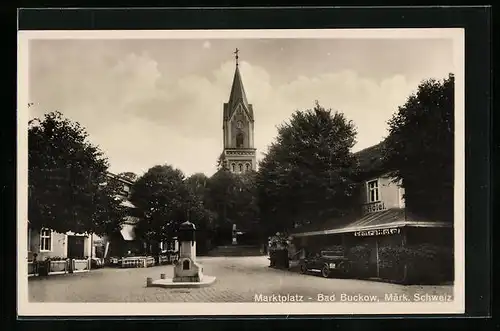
point(187, 272)
point(169, 283)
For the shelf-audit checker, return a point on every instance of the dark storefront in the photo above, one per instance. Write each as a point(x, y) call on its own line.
point(389, 245)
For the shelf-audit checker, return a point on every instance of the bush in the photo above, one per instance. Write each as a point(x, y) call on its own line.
point(425, 263)
point(430, 264)
point(359, 256)
point(337, 249)
point(392, 262)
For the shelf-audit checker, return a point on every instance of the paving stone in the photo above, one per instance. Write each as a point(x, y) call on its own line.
point(239, 279)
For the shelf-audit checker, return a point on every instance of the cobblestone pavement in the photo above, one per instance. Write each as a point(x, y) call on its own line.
point(239, 279)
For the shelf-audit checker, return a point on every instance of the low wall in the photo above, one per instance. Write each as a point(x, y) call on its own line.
point(81, 265)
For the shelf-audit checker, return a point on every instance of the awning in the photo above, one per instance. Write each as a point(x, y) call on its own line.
point(128, 232)
point(126, 203)
point(387, 219)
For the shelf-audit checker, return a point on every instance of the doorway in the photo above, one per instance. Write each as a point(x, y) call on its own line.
point(76, 247)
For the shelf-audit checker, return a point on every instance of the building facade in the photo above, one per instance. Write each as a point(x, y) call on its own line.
point(239, 154)
point(382, 230)
point(46, 243)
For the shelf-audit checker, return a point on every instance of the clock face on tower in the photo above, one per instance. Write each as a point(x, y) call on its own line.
point(239, 124)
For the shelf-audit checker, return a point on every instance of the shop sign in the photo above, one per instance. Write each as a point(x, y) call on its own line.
point(378, 232)
point(373, 207)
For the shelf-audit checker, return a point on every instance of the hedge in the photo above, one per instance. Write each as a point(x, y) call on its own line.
point(359, 256)
point(424, 263)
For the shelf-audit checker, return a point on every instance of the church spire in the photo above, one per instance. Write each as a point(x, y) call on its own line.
point(237, 90)
point(238, 154)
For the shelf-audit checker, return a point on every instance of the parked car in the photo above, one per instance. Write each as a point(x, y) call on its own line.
point(327, 263)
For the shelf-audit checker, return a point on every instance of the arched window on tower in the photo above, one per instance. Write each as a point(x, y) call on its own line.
point(239, 139)
point(241, 167)
point(248, 166)
point(233, 166)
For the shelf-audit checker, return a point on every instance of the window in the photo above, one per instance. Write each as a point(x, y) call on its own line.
point(241, 167)
point(248, 166)
point(373, 191)
point(234, 167)
point(45, 240)
point(239, 140)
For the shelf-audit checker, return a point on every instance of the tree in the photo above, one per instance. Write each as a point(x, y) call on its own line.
point(200, 214)
point(221, 165)
point(233, 200)
point(247, 209)
point(198, 184)
point(420, 148)
point(109, 213)
point(165, 200)
point(308, 173)
point(160, 197)
point(246, 206)
point(221, 196)
point(65, 173)
point(110, 223)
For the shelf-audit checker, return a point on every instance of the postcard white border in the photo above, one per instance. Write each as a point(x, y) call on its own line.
point(26, 308)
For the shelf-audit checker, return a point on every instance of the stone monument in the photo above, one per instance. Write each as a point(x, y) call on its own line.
point(186, 268)
point(187, 272)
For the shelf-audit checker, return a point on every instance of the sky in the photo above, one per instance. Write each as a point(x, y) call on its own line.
point(160, 101)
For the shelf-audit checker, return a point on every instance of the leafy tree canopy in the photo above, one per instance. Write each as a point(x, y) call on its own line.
point(308, 171)
point(164, 200)
point(221, 196)
point(246, 204)
point(420, 148)
point(109, 215)
point(198, 183)
point(160, 196)
point(65, 173)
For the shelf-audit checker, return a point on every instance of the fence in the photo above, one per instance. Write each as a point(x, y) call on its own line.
point(138, 262)
point(167, 258)
point(57, 267)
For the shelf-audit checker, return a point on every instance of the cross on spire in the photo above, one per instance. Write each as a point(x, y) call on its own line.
point(236, 55)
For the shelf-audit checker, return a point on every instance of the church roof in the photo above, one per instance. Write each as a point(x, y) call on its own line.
point(237, 90)
point(237, 96)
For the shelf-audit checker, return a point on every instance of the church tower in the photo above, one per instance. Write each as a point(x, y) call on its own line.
point(238, 129)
